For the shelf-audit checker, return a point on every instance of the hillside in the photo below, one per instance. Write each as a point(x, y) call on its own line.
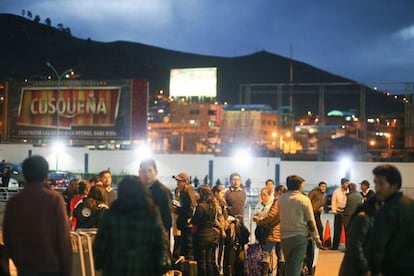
point(26, 46)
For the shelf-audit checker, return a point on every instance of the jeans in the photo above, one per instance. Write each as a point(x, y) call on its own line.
point(294, 249)
point(203, 254)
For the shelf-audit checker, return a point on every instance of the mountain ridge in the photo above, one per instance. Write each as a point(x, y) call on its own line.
point(28, 45)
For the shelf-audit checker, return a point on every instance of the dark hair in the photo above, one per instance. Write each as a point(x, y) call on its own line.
point(293, 182)
point(206, 195)
point(321, 183)
point(217, 188)
point(133, 196)
point(281, 189)
point(35, 169)
point(365, 182)
point(104, 172)
point(390, 172)
point(269, 180)
point(148, 162)
point(82, 185)
point(95, 178)
point(96, 196)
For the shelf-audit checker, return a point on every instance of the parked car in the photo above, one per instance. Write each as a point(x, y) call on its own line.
point(16, 175)
point(60, 179)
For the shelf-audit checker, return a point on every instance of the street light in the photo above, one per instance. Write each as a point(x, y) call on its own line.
point(58, 145)
point(59, 78)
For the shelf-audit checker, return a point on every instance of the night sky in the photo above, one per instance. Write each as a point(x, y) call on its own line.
point(364, 40)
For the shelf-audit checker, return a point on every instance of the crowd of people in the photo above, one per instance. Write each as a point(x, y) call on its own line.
point(206, 222)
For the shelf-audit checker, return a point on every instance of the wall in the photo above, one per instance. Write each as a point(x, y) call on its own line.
point(257, 169)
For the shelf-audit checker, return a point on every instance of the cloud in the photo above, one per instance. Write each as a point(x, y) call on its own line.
point(407, 33)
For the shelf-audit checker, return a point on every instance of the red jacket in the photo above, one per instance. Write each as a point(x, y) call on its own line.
point(36, 231)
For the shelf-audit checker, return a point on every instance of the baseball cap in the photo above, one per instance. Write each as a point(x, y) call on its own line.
point(182, 176)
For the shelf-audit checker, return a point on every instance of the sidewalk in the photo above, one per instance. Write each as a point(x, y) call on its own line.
point(329, 262)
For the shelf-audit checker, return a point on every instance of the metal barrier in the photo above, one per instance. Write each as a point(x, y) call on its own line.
point(6, 192)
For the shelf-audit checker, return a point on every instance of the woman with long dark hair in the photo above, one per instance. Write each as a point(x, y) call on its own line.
point(222, 214)
point(89, 212)
point(204, 236)
point(131, 239)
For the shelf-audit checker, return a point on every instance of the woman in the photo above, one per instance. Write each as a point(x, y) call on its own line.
point(131, 239)
point(261, 209)
point(271, 220)
point(221, 207)
point(89, 212)
point(355, 261)
point(204, 237)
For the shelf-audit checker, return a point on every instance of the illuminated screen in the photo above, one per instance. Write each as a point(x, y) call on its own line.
point(193, 82)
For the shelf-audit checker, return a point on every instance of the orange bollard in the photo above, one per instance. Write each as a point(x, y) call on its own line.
point(342, 238)
point(327, 240)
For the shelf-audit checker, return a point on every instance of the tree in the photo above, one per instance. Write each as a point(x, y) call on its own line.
point(29, 14)
point(60, 26)
point(23, 12)
point(48, 21)
point(67, 30)
point(36, 19)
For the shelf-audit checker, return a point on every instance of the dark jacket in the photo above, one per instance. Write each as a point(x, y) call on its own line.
point(317, 198)
point(392, 238)
point(162, 197)
point(36, 231)
point(87, 217)
point(129, 243)
point(369, 195)
point(187, 206)
point(355, 261)
point(204, 218)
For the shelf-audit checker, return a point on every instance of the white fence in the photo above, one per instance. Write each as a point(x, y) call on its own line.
point(256, 169)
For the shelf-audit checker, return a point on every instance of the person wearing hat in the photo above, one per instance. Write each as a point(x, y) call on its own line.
point(366, 192)
point(338, 206)
point(188, 202)
point(297, 223)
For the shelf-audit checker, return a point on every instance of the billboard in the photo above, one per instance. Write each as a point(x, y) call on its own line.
point(189, 82)
point(88, 110)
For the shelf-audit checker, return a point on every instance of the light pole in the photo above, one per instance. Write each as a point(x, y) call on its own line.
point(59, 78)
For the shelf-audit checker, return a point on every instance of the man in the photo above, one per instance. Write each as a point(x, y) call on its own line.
point(392, 236)
point(188, 202)
point(353, 200)
point(318, 199)
point(160, 193)
point(297, 222)
point(35, 226)
point(338, 206)
point(366, 192)
point(270, 185)
point(235, 196)
point(106, 177)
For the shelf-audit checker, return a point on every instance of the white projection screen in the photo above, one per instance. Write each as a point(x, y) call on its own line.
point(189, 82)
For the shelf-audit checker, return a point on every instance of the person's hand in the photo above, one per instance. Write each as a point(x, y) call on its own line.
point(318, 243)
